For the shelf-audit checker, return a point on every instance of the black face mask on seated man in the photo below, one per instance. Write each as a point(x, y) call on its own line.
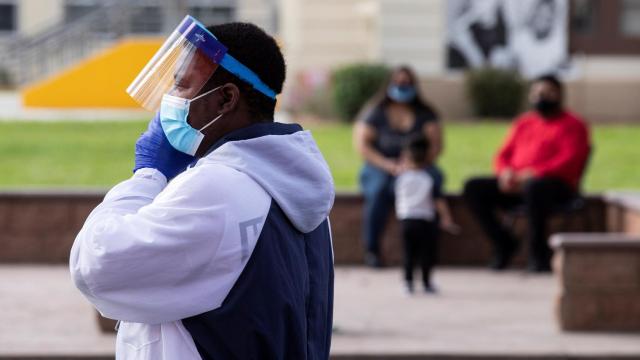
point(545, 97)
point(547, 108)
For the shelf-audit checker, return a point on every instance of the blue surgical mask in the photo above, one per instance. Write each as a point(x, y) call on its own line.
point(173, 118)
point(401, 93)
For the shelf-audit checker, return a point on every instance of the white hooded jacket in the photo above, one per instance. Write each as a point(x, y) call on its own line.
point(152, 253)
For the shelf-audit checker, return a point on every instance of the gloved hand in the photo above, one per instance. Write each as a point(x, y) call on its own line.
point(153, 150)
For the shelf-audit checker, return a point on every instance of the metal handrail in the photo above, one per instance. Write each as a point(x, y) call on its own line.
point(28, 58)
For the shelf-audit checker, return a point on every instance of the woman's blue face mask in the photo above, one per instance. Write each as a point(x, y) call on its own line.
point(401, 93)
point(174, 111)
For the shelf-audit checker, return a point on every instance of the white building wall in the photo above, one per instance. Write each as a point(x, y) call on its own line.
point(319, 35)
point(260, 12)
point(612, 68)
point(36, 15)
point(413, 32)
point(323, 34)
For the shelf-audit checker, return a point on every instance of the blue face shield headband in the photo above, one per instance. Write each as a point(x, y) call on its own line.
point(183, 65)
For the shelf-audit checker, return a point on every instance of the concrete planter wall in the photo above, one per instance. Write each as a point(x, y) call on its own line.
point(40, 226)
point(469, 248)
point(599, 276)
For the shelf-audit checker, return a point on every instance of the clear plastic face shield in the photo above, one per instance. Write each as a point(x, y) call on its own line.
point(184, 64)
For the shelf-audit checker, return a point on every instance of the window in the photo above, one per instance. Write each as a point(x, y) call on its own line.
point(148, 16)
point(76, 9)
point(212, 15)
point(75, 12)
point(630, 18)
point(140, 17)
point(146, 19)
point(610, 27)
point(583, 16)
point(7, 17)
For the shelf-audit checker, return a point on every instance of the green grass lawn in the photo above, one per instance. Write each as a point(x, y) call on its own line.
point(99, 154)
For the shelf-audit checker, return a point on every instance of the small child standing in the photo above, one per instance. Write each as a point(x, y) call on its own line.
point(419, 207)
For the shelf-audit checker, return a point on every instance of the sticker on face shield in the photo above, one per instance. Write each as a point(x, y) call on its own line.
point(204, 40)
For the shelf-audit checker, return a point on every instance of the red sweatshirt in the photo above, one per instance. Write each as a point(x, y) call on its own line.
point(556, 147)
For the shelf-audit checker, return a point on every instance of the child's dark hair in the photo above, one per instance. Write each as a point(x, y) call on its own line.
point(417, 147)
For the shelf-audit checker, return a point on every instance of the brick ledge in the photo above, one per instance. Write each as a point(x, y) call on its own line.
point(595, 240)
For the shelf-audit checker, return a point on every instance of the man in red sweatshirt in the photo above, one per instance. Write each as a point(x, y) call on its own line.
point(539, 166)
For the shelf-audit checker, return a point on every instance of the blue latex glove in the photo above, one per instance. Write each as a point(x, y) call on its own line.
point(153, 150)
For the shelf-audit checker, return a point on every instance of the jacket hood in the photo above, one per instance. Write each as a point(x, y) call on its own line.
point(286, 162)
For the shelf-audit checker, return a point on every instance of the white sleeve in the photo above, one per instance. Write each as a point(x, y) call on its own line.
point(152, 255)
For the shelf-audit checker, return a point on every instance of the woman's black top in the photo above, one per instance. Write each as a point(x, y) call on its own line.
point(389, 141)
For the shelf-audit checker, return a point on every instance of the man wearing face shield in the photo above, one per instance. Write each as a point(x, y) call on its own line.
point(219, 246)
point(539, 166)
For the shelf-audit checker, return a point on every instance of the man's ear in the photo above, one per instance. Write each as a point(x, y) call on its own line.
point(229, 98)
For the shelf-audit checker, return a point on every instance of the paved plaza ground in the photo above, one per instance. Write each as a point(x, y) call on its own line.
point(477, 314)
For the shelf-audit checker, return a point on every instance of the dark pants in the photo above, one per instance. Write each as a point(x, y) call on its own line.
point(420, 239)
point(538, 197)
point(377, 189)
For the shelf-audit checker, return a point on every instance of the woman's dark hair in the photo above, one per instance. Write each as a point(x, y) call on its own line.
point(381, 99)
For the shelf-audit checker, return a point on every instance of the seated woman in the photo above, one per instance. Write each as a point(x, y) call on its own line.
point(395, 114)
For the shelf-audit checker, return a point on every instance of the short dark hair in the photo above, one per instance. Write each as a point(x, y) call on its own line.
point(258, 51)
point(552, 80)
point(417, 147)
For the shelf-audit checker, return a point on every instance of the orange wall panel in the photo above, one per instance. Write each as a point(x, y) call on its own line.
point(97, 82)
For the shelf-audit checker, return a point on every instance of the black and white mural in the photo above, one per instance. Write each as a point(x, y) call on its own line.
point(527, 35)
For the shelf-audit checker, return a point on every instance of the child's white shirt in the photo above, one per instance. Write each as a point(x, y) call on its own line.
point(414, 196)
